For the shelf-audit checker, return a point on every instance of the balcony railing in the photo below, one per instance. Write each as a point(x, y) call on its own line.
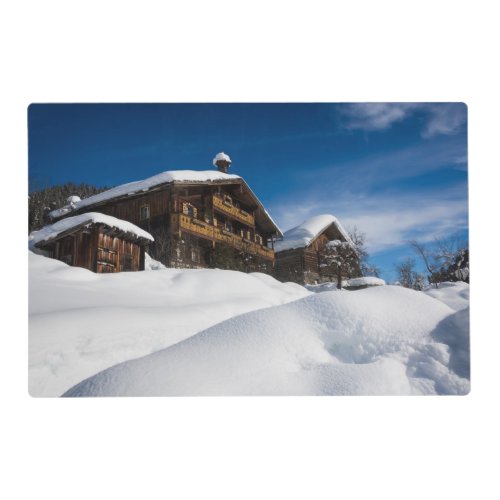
point(229, 209)
point(213, 233)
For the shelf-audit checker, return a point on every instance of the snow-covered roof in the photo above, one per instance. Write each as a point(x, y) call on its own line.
point(303, 235)
point(144, 185)
point(366, 280)
point(169, 176)
point(221, 156)
point(53, 230)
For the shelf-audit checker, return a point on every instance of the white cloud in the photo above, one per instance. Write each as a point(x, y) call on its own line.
point(445, 119)
point(375, 116)
point(389, 228)
point(383, 194)
point(441, 118)
point(387, 222)
point(376, 170)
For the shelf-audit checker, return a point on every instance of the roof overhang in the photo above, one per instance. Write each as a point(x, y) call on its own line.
point(101, 226)
point(262, 216)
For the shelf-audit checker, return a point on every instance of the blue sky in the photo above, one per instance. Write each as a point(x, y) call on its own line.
point(396, 171)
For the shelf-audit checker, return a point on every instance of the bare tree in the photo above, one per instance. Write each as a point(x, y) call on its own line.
point(359, 239)
point(408, 277)
point(163, 246)
point(448, 261)
point(428, 259)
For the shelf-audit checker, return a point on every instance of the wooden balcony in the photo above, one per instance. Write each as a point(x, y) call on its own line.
point(216, 234)
point(229, 209)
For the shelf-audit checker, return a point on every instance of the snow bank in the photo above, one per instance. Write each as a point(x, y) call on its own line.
point(381, 340)
point(354, 282)
point(328, 286)
point(53, 230)
point(81, 322)
point(151, 264)
point(302, 235)
point(146, 184)
point(453, 294)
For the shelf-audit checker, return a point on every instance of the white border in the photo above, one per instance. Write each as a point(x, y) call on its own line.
point(250, 447)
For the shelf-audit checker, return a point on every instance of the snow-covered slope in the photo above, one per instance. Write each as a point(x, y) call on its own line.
point(455, 295)
point(382, 340)
point(81, 323)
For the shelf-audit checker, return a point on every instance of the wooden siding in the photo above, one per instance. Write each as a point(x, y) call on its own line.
point(311, 262)
point(97, 251)
point(130, 210)
point(289, 266)
point(318, 244)
point(115, 254)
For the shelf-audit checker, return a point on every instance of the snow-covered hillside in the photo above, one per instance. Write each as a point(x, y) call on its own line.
point(455, 295)
point(385, 340)
point(212, 332)
point(81, 322)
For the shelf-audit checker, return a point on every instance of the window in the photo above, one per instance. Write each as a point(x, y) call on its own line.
point(144, 212)
point(190, 210)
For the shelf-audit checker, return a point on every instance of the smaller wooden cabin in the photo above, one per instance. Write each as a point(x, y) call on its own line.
point(97, 242)
point(299, 253)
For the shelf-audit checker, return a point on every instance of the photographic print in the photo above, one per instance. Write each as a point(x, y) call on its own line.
point(239, 249)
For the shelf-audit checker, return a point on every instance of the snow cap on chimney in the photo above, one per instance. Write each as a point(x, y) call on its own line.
point(222, 162)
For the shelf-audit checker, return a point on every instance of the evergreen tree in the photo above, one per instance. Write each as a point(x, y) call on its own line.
point(43, 201)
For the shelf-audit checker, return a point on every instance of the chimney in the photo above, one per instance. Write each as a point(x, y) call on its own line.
point(222, 162)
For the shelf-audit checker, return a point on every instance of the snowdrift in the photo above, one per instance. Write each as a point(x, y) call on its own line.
point(453, 294)
point(382, 340)
point(81, 323)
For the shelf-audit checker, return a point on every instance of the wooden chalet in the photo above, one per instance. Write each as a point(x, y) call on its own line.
point(299, 253)
point(94, 241)
point(197, 218)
